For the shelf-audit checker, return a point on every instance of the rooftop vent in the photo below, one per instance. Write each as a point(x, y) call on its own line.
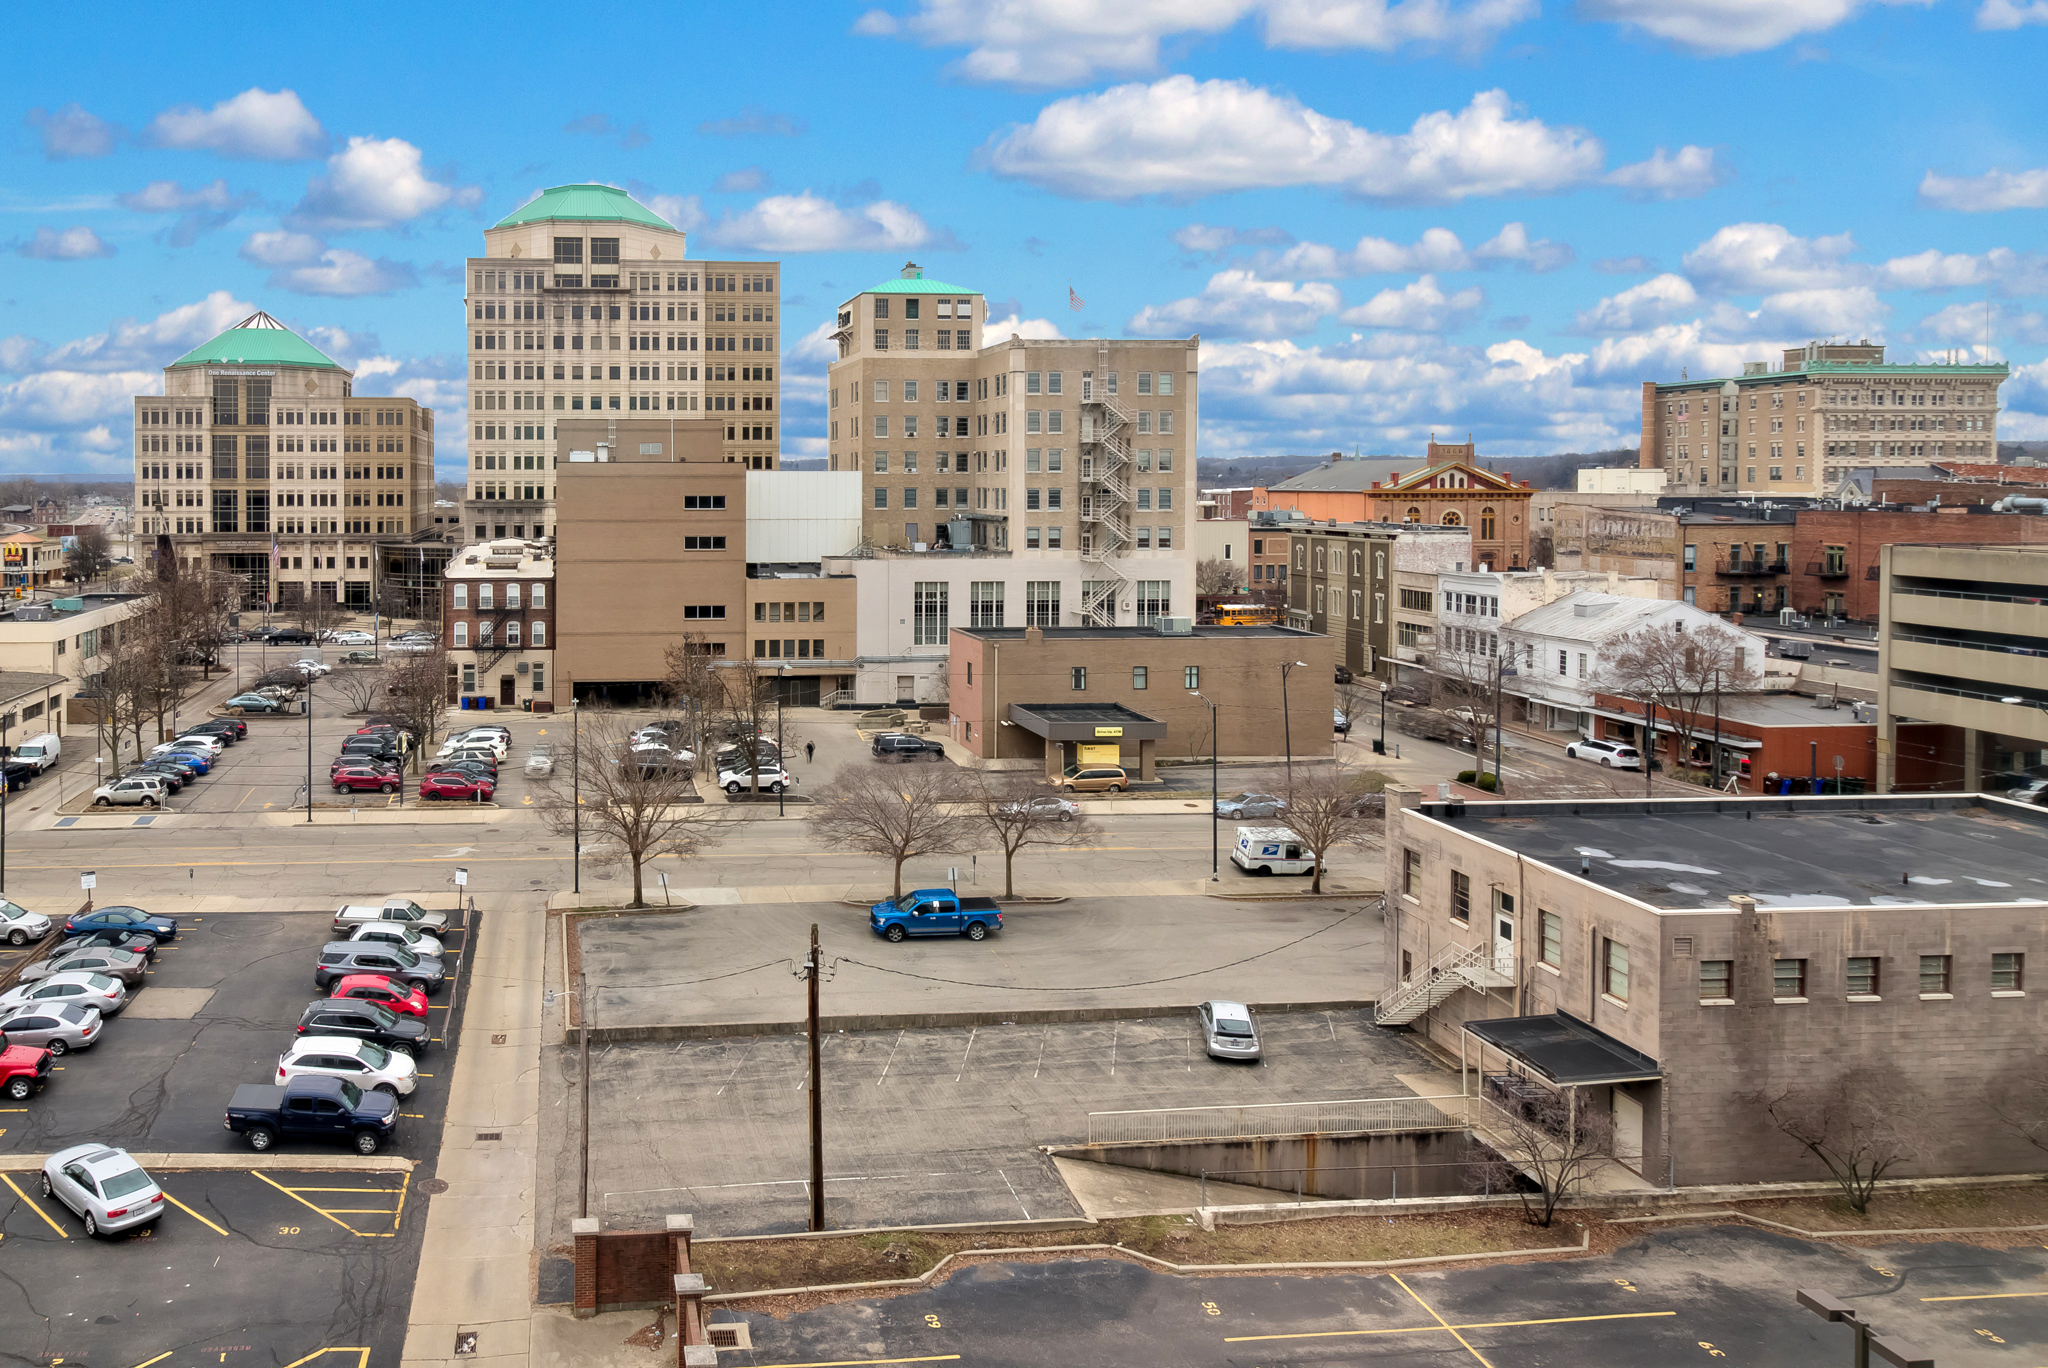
point(1174, 626)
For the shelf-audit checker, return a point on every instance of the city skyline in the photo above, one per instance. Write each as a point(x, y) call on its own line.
point(1383, 221)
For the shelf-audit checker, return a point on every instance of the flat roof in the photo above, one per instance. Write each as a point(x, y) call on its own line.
point(1088, 633)
point(1691, 854)
point(1566, 1050)
point(1080, 721)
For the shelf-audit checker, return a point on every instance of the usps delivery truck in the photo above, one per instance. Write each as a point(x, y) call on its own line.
point(1270, 850)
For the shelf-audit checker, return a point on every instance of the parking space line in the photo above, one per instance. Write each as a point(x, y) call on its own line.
point(847, 1363)
point(1987, 1296)
point(1439, 1319)
point(190, 1212)
point(158, 1359)
point(304, 1203)
point(1431, 1329)
point(62, 1233)
point(362, 1357)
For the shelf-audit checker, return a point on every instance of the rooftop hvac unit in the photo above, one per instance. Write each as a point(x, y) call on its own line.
point(1174, 626)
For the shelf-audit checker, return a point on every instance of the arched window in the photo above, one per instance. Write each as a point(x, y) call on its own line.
point(1486, 524)
point(1451, 519)
point(1413, 515)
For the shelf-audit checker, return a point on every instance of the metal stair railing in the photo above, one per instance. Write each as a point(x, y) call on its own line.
point(1452, 970)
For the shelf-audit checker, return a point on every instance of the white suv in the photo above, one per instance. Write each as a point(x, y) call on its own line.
point(1610, 754)
point(370, 1067)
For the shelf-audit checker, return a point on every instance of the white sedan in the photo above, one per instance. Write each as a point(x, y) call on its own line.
point(1046, 808)
point(370, 1067)
point(208, 746)
point(312, 669)
point(355, 636)
point(772, 779)
point(491, 742)
point(104, 1186)
point(85, 989)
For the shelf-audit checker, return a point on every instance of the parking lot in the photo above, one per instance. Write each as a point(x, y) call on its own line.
point(262, 1264)
point(1681, 1296)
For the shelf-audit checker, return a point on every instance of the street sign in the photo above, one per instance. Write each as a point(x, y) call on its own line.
point(88, 880)
point(461, 877)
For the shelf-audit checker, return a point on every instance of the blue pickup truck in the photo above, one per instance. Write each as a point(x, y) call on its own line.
point(935, 912)
point(313, 1108)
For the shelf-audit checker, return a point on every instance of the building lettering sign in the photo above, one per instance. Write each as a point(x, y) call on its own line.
point(1109, 731)
point(14, 555)
point(218, 371)
point(1621, 534)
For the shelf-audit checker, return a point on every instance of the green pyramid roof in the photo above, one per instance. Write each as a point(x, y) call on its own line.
point(258, 340)
point(597, 203)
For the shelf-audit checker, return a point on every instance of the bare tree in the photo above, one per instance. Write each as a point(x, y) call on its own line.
point(1680, 671)
point(636, 811)
point(745, 713)
point(90, 556)
point(1325, 809)
point(318, 612)
point(2022, 1106)
point(1020, 809)
point(1463, 684)
point(1214, 576)
point(1860, 1125)
point(692, 684)
point(416, 695)
point(359, 686)
point(896, 814)
point(1555, 1139)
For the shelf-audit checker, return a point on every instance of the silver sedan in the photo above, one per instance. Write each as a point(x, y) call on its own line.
point(20, 925)
point(87, 990)
point(105, 1187)
point(59, 1030)
point(124, 965)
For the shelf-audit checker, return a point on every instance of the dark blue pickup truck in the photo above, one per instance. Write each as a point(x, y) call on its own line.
point(935, 912)
point(313, 1109)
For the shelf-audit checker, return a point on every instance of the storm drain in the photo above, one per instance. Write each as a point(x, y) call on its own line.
point(490, 1135)
point(734, 1336)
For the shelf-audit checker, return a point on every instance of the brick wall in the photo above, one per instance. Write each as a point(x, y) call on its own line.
point(1865, 532)
point(622, 1269)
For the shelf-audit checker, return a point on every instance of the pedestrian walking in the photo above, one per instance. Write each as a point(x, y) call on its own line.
point(810, 749)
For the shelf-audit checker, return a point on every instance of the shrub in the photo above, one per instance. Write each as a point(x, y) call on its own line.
point(1487, 782)
point(1467, 776)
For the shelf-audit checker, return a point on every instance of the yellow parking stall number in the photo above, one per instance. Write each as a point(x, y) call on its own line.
point(1211, 1309)
point(1995, 1339)
point(932, 1322)
point(287, 1230)
point(1626, 1285)
point(1882, 1272)
point(1712, 1352)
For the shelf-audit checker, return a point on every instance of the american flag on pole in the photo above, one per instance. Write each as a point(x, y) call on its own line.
point(1074, 301)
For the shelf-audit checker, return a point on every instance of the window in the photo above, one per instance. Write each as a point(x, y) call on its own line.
point(1717, 980)
point(1934, 975)
point(1788, 978)
point(714, 612)
point(881, 498)
point(1138, 676)
point(1551, 926)
point(703, 543)
point(1862, 976)
point(462, 596)
point(484, 598)
point(1411, 872)
point(461, 634)
point(1041, 603)
point(1080, 672)
point(1692, 557)
point(540, 638)
point(929, 611)
point(1615, 962)
point(1155, 601)
point(1191, 677)
point(2007, 974)
point(986, 603)
point(1461, 897)
point(715, 501)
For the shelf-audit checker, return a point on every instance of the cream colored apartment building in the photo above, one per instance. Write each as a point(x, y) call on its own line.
point(1039, 449)
point(260, 460)
point(582, 306)
point(1829, 409)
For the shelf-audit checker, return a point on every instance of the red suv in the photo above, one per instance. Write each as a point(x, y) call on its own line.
point(359, 778)
point(22, 1067)
point(387, 993)
point(455, 786)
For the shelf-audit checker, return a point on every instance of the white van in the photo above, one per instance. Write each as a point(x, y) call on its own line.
point(1270, 850)
point(41, 751)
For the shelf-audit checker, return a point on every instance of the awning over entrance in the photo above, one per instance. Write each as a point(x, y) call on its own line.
point(1566, 1051)
point(1085, 722)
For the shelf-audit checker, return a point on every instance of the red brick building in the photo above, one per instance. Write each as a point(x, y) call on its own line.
point(1789, 736)
point(1834, 552)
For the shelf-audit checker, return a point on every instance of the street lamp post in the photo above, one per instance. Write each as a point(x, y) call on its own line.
point(1379, 747)
point(309, 747)
point(781, 785)
point(576, 795)
point(1216, 792)
point(1287, 722)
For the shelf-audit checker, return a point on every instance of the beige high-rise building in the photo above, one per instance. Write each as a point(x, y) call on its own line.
point(260, 460)
point(1829, 409)
point(583, 305)
point(1037, 449)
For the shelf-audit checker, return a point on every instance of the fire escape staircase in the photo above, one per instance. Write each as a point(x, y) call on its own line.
point(1105, 499)
point(1455, 968)
point(491, 646)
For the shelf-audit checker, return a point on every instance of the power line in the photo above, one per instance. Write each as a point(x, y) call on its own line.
point(684, 983)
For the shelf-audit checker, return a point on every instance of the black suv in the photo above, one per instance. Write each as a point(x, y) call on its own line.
point(364, 1021)
point(902, 748)
point(289, 636)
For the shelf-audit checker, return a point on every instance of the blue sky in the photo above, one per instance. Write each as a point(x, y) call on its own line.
point(1384, 220)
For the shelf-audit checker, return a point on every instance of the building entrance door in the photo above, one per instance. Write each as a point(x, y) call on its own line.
point(1628, 1130)
point(506, 685)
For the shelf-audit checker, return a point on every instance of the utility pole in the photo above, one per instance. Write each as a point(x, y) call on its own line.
point(583, 1032)
point(812, 967)
point(1649, 747)
point(1717, 731)
point(1500, 784)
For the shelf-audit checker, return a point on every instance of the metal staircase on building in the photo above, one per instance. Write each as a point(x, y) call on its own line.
point(1455, 968)
point(1105, 495)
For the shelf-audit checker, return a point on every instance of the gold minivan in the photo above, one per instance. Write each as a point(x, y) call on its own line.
point(1095, 779)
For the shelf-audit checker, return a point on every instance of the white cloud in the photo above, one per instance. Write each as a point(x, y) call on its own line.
point(76, 243)
point(2006, 14)
point(1664, 351)
point(72, 132)
point(1211, 240)
point(1640, 306)
point(375, 183)
point(282, 248)
point(1030, 329)
point(355, 350)
point(1748, 258)
point(1795, 315)
point(169, 197)
point(63, 399)
point(256, 124)
point(747, 180)
point(1936, 270)
point(810, 223)
point(1720, 27)
point(1183, 137)
point(1419, 306)
point(682, 211)
point(130, 345)
point(1512, 244)
point(1690, 173)
point(332, 271)
point(1965, 323)
point(1438, 249)
point(1239, 304)
point(1045, 43)
point(1992, 191)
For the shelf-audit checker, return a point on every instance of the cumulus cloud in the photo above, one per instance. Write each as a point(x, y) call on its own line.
point(375, 183)
point(1721, 27)
point(199, 210)
point(282, 248)
point(1988, 193)
point(1748, 258)
point(746, 180)
point(1183, 137)
point(345, 274)
point(76, 243)
point(1014, 325)
point(72, 132)
point(1513, 245)
point(1045, 43)
point(601, 126)
point(2006, 14)
point(1965, 323)
point(756, 122)
point(1419, 306)
point(811, 223)
point(681, 211)
point(1691, 172)
point(1628, 265)
point(129, 345)
point(1639, 307)
point(257, 124)
point(1239, 304)
point(1208, 239)
point(1438, 249)
point(1850, 310)
point(355, 350)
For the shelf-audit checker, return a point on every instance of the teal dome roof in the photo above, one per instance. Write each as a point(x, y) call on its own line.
point(258, 340)
point(594, 203)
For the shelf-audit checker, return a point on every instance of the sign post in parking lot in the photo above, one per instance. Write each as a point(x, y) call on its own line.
point(461, 882)
point(87, 881)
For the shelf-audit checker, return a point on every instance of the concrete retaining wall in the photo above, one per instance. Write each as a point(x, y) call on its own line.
point(897, 1021)
point(1423, 1163)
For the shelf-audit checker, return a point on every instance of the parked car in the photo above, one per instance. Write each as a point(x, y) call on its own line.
point(470, 788)
point(485, 760)
point(226, 730)
point(1610, 754)
point(312, 669)
point(87, 990)
point(313, 1109)
point(402, 910)
point(400, 999)
point(370, 750)
point(359, 658)
point(2035, 792)
point(464, 773)
point(59, 1029)
point(18, 774)
point(339, 959)
point(255, 703)
point(1227, 1030)
point(40, 750)
point(121, 919)
point(146, 790)
point(104, 1187)
point(173, 777)
point(408, 646)
point(370, 1067)
point(540, 761)
point(496, 745)
point(735, 757)
point(1050, 807)
point(19, 925)
point(770, 779)
point(288, 636)
point(901, 747)
point(124, 965)
point(354, 636)
point(364, 779)
point(364, 1021)
point(140, 942)
point(1243, 805)
point(1094, 779)
point(1339, 721)
point(934, 912)
point(397, 933)
point(23, 1068)
point(205, 745)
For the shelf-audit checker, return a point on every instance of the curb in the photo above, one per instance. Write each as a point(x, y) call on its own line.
point(906, 1021)
point(197, 1163)
point(1822, 1234)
